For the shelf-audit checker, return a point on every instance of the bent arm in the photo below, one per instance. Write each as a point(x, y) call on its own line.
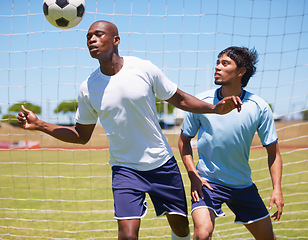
point(275, 168)
point(79, 133)
point(187, 157)
point(192, 104)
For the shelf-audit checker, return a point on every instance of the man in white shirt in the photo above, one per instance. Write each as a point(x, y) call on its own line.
point(121, 94)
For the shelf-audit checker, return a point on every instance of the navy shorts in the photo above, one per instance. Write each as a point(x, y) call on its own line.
point(245, 203)
point(164, 186)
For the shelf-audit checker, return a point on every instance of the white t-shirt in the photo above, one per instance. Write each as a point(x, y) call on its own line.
point(125, 106)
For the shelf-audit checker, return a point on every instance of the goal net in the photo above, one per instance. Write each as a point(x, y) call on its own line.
point(55, 190)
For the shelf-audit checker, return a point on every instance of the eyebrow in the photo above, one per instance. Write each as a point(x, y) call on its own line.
point(223, 60)
point(95, 32)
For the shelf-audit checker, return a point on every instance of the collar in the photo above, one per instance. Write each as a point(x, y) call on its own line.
point(218, 94)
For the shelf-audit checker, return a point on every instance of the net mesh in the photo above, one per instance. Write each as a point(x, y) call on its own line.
point(55, 190)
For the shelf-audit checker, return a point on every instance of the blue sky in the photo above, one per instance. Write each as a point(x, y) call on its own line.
point(45, 65)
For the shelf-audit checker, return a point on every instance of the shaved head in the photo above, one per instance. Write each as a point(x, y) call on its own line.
point(109, 27)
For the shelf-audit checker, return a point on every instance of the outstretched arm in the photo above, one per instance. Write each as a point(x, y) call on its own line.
point(76, 134)
point(275, 168)
point(192, 104)
point(187, 156)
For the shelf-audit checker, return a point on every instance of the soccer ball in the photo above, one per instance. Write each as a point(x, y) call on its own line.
point(64, 13)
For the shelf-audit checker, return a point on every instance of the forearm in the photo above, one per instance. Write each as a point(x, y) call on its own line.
point(275, 168)
point(187, 156)
point(190, 103)
point(63, 133)
point(275, 164)
point(190, 167)
point(76, 134)
point(196, 181)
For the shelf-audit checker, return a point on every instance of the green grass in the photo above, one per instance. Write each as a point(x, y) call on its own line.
point(67, 194)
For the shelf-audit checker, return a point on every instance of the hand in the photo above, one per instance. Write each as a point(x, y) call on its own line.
point(27, 119)
point(227, 104)
point(197, 183)
point(276, 198)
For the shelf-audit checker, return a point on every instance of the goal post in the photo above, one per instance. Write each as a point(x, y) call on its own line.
point(55, 190)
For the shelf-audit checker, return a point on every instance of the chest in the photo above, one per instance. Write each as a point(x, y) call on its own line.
point(123, 91)
point(244, 122)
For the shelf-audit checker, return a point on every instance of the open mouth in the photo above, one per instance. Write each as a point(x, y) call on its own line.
point(217, 75)
point(91, 48)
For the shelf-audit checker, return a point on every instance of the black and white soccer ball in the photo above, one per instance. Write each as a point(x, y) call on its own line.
point(64, 13)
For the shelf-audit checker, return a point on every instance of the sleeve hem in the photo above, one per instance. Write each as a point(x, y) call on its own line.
point(186, 135)
point(85, 122)
point(271, 143)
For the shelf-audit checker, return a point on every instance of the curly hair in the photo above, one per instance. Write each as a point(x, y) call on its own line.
point(243, 57)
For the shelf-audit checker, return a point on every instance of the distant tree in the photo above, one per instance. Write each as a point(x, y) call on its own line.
point(271, 107)
point(305, 115)
point(160, 106)
point(17, 107)
point(10, 118)
point(67, 107)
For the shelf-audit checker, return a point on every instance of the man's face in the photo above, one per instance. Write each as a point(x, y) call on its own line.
point(226, 71)
point(100, 40)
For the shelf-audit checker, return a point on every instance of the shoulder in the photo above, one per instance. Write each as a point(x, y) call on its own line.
point(260, 102)
point(93, 76)
point(84, 86)
point(209, 94)
point(96, 73)
point(133, 61)
point(257, 105)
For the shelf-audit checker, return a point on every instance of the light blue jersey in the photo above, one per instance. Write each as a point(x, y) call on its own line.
point(224, 140)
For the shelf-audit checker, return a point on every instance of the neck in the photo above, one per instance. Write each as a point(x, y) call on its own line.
point(112, 66)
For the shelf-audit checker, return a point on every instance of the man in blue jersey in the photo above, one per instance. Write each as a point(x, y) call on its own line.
point(223, 174)
point(121, 94)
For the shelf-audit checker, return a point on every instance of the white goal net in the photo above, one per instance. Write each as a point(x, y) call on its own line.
point(55, 190)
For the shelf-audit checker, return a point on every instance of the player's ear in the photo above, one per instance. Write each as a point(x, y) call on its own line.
point(116, 40)
point(242, 72)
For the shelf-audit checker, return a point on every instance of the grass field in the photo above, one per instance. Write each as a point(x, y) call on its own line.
point(66, 194)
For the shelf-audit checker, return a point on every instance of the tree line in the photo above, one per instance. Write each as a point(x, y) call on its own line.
point(66, 107)
point(69, 108)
